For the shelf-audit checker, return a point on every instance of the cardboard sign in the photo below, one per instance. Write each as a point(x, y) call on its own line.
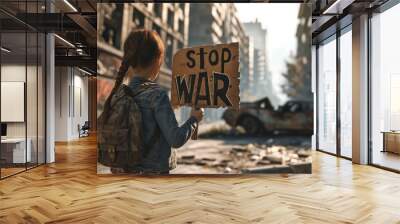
point(206, 76)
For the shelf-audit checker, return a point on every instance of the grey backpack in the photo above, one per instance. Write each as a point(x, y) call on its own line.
point(119, 134)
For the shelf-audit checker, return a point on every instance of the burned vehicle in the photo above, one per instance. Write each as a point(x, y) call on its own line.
point(295, 116)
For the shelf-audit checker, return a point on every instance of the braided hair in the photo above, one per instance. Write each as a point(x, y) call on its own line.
point(142, 48)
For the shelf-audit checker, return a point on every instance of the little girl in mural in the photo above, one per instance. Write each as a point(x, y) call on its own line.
point(138, 128)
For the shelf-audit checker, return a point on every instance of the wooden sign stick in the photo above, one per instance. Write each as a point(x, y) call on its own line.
point(194, 135)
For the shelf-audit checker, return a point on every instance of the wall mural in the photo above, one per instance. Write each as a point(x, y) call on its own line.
point(159, 69)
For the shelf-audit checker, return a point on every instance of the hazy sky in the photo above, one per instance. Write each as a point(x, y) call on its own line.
point(280, 20)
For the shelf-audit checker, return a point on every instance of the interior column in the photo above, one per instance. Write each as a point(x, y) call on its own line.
point(360, 90)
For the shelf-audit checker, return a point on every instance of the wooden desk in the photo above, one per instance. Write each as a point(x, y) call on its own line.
point(13, 150)
point(391, 141)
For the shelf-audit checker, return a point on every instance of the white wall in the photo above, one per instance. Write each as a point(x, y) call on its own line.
point(9, 73)
point(61, 103)
point(15, 73)
point(71, 102)
point(33, 127)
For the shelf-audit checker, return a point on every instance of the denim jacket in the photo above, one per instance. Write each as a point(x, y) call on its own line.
point(159, 119)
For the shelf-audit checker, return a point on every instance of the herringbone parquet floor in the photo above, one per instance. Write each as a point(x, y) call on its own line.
point(69, 191)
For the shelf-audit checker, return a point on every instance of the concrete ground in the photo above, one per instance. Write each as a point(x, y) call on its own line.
point(219, 150)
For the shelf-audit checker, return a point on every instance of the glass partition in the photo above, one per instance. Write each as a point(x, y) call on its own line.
point(22, 88)
point(31, 97)
point(13, 94)
point(41, 96)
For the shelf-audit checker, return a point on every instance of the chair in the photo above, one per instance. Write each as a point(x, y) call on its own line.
point(84, 130)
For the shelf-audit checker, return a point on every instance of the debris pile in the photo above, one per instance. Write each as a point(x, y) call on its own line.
point(250, 158)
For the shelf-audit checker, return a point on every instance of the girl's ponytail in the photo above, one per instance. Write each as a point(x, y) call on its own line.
point(118, 81)
point(141, 49)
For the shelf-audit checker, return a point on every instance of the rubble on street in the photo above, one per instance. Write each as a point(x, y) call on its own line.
point(242, 155)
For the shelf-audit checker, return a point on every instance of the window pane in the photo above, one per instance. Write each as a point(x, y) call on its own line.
point(385, 88)
point(170, 18)
point(111, 27)
point(157, 9)
point(169, 51)
point(346, 94)
point(327, 96)
point(138, 18)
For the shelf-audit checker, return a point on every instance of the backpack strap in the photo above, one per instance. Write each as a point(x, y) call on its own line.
point(142, 87)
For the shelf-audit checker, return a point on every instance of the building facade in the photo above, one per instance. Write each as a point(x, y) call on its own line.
point(115, 21)
point(262, 80)
point(216, 23)
point(234, 32)
point(298, 67)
